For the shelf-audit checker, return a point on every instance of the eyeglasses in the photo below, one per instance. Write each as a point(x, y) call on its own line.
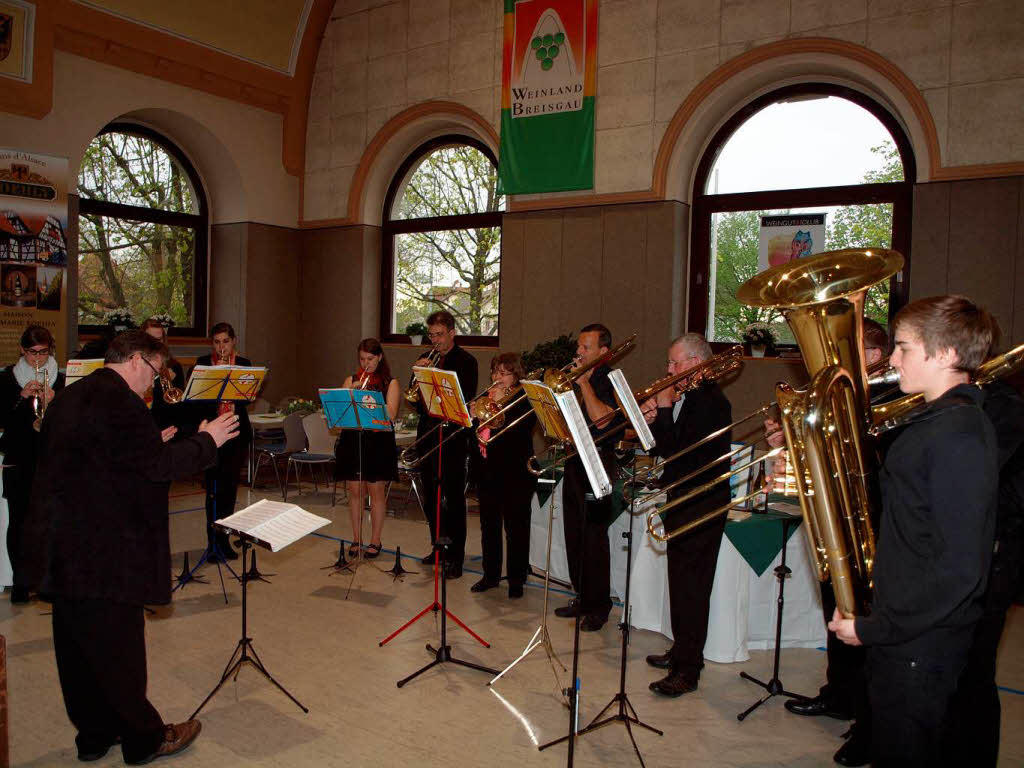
point(437, 335)
point(679, 362)
point(38, 352)
point(156, 373)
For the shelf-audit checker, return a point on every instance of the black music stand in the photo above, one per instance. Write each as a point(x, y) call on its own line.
point(774, 686)
point(449, 406)
point(244, 652)
point(211, 554)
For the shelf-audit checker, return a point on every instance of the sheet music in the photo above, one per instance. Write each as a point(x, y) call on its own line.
point(274, 523)
point(636, 419)
point(79, 369)
point(225, 382)
point(584, 442)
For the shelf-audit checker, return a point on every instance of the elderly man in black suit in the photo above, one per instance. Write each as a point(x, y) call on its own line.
point(99, 526)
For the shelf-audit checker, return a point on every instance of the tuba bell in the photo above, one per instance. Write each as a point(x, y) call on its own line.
point(826, 425)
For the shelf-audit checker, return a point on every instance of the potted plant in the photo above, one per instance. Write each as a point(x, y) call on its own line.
point(758, 337)
point(416, 332)
point(165, 320)
point(300, 405)
point(555, 353)
point(120, 319)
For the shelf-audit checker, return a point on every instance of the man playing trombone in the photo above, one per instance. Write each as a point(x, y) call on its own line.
point(450, 357)
point(678, 421)
point(585, 520)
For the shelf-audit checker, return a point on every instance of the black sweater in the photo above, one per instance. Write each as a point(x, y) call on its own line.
point(939, 504)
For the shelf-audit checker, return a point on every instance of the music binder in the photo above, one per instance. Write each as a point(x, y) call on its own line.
point(442, 395)
point(79, 369)
point(225, 382)
point(275, 524)
point(363, 409)
point(629, 405)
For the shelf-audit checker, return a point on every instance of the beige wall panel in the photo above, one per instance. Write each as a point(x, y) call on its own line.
point(581, 269)
point(272, 325)
point(662, 281)
point(983, 224)
point(513, 287)
point(755, 386)
point(929, 261)
point(228, 246)
point(371, 255)
point(622, 284)
point(542, 253)
point(1016, 333)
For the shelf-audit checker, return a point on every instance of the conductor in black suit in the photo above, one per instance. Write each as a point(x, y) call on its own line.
point(99, 524)
point(441, 331)
point(677, 421)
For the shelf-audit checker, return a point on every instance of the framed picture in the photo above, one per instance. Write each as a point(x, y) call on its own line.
point(17, 32)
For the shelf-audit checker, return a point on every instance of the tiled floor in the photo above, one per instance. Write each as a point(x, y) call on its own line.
point(321, 642)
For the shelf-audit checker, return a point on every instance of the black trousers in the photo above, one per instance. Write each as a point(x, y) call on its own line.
point(692, 559)
point(505, 501)
point(17, 491)
point(846, 686)
point(222, 484)
point(453, 496)
point(101, 660)
point(910, 699)
point(585, 523)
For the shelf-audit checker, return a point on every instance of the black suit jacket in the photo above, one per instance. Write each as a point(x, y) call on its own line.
point(19, 441)
point(705, 409)
point(98, 524)
point(464, 365)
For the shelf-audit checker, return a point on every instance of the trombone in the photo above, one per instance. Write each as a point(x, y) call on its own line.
point(412, 392)
point(409, 455)
point(559, 380)
point(715, 367)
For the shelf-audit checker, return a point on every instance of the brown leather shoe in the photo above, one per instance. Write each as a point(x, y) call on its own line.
point(676, 684)
point(177, 736)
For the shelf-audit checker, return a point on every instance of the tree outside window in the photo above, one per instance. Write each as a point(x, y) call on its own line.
point(142, 231)
point(444, 236)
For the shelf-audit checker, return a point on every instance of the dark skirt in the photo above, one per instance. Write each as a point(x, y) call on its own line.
point(380, 456)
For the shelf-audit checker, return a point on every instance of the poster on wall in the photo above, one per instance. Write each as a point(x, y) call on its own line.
point(33, 248)
point(548, 83)
point(788, 237)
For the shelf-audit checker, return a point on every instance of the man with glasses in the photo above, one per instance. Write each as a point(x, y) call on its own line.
point(441, 332)
point(679, 420)
point(98, 531)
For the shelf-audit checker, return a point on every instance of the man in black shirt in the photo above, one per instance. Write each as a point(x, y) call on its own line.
point(585, 520)
point(441, 331)
point(677, 421)
point(938, 521)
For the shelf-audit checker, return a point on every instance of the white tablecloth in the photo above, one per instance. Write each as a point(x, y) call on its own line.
point(743, 605)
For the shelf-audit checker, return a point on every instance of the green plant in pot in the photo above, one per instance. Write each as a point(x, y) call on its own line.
point(555, 353)
point(416, 332)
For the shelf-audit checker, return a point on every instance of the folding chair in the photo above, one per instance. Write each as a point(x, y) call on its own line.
point(319, 451)
point(294, 441)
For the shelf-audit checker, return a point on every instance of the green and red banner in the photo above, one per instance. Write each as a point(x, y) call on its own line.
point(548, 82)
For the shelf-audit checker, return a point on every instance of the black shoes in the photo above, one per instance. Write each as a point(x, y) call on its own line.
point(568, 611)
point(483, 585)
point(90, 754)
point(592, 622)
point(817, 707)
point(660, 661)
point(515, 591)
point(856, 751)
point(453, 571)
point(676, 684)
point(20, 595)
point(427, 559)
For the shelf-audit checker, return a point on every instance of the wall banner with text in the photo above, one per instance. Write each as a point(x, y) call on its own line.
point(788, 237)
point(548, 84)
point(33, 248)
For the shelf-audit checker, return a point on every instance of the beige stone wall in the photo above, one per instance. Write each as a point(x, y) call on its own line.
point(379, 57)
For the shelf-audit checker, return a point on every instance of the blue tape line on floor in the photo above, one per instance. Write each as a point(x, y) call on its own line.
point(190, 509)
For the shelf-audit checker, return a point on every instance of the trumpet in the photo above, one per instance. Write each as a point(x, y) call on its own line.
point(562, 379)
point(412, 392)
point(410, 454)
point(39, 401)
point(364, 379)
point(172, 394)
point(714, 368)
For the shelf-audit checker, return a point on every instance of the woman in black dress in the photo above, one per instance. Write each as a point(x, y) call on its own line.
point(505, 487)
point(167, 414)
point(22, 398)
point(379, 454)
point(222, 479)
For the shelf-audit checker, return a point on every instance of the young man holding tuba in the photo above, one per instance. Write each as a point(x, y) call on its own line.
point(938, 485)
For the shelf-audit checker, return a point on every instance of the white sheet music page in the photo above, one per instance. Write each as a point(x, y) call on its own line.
point(274, 523)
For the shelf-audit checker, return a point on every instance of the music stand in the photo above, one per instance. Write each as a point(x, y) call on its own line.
point(358, 410)
point(219, 383)
point(441, 393)
point(274, 525)
point(571, 427)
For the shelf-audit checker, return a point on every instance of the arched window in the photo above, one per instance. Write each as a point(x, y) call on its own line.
point(797, 152)
point(442, 240)
point(142, 230)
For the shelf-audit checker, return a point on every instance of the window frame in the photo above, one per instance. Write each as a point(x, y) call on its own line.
point(392, 227)
point(899, 194)
point(198, 222)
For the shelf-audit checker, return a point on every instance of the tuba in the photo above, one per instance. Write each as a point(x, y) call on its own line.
point(826, 425)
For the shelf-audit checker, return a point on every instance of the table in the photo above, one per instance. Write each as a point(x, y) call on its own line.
point(743, 604)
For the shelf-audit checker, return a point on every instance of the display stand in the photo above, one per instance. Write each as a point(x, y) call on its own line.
point(274, 525)
point(355, 410)
point(774, 686)
point(442, 394)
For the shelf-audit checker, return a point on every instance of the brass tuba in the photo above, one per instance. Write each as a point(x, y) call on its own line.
point(826, 425)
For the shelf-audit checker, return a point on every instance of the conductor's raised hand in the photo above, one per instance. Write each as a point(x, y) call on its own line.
point(221, 429)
